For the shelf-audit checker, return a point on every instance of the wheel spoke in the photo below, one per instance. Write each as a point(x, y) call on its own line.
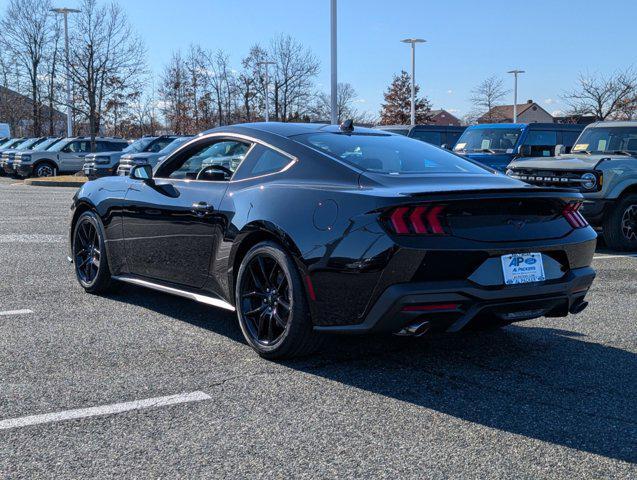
point(283, 303)
point(271, 322)
point(259, 309)
point(255, 279)
point(280, 322)
point(253, 294)
point(262, 324)
point(262, 270)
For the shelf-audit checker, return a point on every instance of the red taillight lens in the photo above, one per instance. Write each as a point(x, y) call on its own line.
point(421, 220)
point(574, 217)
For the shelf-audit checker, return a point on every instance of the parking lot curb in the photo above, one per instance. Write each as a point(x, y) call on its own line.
point(39, 182)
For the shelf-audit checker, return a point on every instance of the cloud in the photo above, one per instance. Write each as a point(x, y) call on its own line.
point(360, 100)
point(453, 110)
point(549, 101)
point(557, 113)
point(450, 91)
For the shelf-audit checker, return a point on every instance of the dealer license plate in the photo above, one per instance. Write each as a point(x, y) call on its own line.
point(522, 268)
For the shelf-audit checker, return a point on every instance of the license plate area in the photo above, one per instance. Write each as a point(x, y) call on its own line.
point(518, 268)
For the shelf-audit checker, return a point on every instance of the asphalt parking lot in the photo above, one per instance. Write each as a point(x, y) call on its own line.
point(175, 391)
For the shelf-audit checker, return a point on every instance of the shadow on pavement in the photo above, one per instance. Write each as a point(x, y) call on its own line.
point(544, 383)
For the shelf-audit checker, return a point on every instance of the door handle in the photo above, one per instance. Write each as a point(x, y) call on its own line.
point(202, 208)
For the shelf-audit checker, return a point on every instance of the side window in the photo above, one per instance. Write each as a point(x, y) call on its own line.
point(159, 144)
point(78, 146)
point(452, 139)
point(262, 161)
point(541, 142)
point(435, 138)
point(569, 138)
point(225, 155)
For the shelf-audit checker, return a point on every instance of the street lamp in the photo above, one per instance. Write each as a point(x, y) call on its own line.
point(334, 76)
point(267, 88)
point(515, 93)
point(69, 100)
point(413, 42)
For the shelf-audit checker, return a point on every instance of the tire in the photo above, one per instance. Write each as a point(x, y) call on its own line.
point(273, 330)
point(89, 254)
point(44, 169)
point(620, 225)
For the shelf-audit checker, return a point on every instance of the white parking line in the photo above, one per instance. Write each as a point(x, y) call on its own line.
point(24, 311)
point(604, 256)
point(103, 410)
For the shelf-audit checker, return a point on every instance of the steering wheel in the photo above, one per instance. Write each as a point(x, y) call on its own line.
point(207, 169)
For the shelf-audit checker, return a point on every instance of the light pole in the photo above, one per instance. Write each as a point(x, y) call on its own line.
point(267, 89)
point(69, 100)
point(413, 42)
point(334, 76)
point(515, 93)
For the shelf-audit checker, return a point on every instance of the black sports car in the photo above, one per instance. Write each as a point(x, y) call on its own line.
point(305, 229)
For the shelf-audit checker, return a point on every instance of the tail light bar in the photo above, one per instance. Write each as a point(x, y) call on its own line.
point(573, 216)
point(420, 220)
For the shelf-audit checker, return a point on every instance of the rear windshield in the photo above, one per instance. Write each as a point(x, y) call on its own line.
point(392, 154)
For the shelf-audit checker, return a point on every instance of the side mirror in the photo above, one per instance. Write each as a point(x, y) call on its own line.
point(524, 151)
point(445, 146)
point(142, 172)
point(559, 150)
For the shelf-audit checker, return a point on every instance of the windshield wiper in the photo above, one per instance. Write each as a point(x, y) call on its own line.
point(624, 152)
point(581, 151)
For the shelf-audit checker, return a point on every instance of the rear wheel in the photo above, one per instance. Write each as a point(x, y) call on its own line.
point(271, 305)
point(44, 169)
point(89, 254)
point(620, 225)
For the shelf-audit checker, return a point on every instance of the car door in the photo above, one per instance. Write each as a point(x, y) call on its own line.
point(172, 225)
point(71, 157)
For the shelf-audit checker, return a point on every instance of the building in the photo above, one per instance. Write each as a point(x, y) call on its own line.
point(529, 112)
point(17, 110)
point(443, 117)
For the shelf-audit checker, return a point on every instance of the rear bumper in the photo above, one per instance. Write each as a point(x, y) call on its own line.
point(511, 303)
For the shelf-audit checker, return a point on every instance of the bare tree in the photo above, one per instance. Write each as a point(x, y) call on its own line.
point(293, 78)
point(346, 97)
point(174, 95)
point(487, 95)
point(603, 96)
point(26, 28)
point(107, 58)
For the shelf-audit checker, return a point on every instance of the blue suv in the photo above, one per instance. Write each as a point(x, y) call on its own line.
point(496, 144)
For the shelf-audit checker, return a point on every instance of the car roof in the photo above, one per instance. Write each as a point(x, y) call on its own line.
point(613, 124)
point(530, 126)
point(292, 129)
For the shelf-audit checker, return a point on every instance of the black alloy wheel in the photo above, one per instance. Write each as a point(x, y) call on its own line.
point(89, 255)
point(271, 304)
point(265, 299)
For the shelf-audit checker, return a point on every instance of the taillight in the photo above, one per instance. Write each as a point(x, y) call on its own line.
point(574, 217)
point(420, 220)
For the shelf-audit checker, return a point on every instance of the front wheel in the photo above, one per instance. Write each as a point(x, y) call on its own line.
point(44, 170)
point(271, 304)
point(620, 225)
point(89, 254)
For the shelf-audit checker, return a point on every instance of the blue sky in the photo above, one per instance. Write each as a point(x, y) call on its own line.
point(469, 40)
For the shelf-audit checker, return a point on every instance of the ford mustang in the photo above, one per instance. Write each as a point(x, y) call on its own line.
point(317, 229)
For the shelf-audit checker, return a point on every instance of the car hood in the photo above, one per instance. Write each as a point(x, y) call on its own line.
point(102, 154)
point(563, 162)
point(413, 185)
point(139, 156)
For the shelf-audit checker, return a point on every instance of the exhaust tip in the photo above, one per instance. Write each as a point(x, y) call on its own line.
point(417, 329)
point(578, 307)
